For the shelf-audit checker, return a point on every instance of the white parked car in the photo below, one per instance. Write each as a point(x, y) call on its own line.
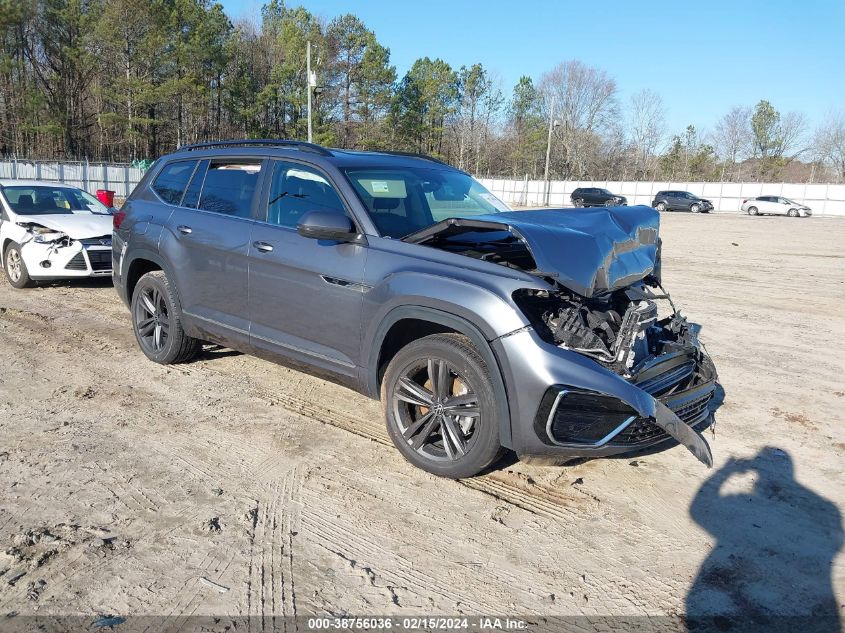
point(775, 205)
point(52, 231)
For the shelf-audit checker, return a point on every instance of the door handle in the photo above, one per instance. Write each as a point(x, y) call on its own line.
point(184, 229)
point(264, 247)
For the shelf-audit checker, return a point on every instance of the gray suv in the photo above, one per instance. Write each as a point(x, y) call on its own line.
point(479, 328)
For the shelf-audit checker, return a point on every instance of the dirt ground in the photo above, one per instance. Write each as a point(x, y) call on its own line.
point(231, 486)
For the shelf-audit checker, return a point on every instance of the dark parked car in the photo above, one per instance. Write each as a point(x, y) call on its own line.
point(403, 278)
point(596, 197)
point(681, 201)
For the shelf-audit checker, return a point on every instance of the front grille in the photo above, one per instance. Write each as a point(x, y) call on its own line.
point(643, 429)
point(77, 263)
point(661, 382)
point(100, 260)
point(103, 240)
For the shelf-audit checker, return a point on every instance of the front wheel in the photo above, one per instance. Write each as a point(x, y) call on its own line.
point(157, 322)
point(695, 208)
point(16, 271)
point(793, 213)
point(440, 407)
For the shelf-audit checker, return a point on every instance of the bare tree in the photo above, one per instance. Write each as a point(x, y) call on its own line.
point(585, 104)
point(732, 139)
point(648, 127)
point(829, 143)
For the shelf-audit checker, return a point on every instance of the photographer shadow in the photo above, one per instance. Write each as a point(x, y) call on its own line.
point(771, 566)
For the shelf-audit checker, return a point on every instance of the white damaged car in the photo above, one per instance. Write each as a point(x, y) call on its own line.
point(52, 231)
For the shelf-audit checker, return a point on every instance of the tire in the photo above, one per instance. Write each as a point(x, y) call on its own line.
point(157, 321)
point(578, 202)
point(793, 213)
point(429, 437)
point(695, 208)
point(661, 206)
point(753, 211)
point(15, 267)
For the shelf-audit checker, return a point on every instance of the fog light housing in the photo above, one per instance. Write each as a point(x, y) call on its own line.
point(46, 263)
point(581, 418)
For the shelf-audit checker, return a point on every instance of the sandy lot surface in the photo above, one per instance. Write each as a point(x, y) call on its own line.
point(131, 488)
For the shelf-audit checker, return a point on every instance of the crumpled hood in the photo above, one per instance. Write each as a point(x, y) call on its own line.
point(588, 251)
point(77, 226)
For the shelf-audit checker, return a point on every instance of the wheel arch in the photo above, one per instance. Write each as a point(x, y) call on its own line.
point(405, 324)
point(141, 263)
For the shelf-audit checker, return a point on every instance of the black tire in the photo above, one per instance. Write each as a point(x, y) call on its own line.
point(157, 321)
point(449, 445)
point(753, 211)
point(695, 208)
point(661, 206)
point(793, 213)
point(15, 267)
point(578, 202)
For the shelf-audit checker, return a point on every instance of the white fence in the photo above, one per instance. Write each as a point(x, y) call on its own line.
point(88, 176)
point(823, 199)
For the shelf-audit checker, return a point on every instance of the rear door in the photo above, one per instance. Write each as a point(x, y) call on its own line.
point(206, 241)
point(305, 295)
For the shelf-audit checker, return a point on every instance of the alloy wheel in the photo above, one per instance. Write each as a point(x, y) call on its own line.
point(436, 410)
point(13, 265)
point(152, 319)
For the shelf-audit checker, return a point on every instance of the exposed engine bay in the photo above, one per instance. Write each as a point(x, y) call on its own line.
point(621, 330)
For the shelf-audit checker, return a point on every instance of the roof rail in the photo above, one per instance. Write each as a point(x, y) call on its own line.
point(415, 155)
point(259, 142)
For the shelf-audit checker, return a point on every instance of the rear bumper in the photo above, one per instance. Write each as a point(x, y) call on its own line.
point(565, 405)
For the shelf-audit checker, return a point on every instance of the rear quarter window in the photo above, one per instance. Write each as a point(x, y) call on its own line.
point(171, 182)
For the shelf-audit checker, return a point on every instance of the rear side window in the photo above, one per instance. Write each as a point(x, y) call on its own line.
point(229, 187)
point(171, 182)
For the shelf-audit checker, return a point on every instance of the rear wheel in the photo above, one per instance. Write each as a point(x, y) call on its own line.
point(578, 202)
point(440, 406)
point(661, 206)
point(15, 267)
point(753, 211)
point(157, 322)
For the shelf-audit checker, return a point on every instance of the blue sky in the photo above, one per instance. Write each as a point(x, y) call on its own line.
point(702, 57)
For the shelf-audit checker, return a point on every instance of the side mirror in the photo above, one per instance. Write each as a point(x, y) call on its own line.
point(320, 225)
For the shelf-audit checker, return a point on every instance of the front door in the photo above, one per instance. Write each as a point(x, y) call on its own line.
point(305, 295)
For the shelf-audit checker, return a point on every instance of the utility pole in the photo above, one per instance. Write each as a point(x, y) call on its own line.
point(309, 86)
point(549, 152)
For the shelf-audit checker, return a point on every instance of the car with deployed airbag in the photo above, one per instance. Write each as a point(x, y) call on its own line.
point(52, 231)
point(479, 328)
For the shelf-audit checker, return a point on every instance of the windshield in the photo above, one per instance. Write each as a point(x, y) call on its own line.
point(405, 200)
point(46, 200)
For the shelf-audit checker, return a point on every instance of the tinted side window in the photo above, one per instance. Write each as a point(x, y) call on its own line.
point(295, 191)
point(171, 182)
point(229, 187)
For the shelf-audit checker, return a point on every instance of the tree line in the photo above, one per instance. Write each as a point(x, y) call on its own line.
point(120, 80)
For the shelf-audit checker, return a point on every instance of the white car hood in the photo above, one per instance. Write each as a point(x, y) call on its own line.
point(77, 226)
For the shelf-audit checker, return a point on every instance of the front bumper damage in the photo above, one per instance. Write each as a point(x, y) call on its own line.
point(53, 255)
point(586, 410)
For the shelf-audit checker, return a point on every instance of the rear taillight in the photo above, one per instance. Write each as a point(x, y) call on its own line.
point(744, 201)
point(117, 218)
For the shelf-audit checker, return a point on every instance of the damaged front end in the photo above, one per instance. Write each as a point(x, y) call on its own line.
point(623, 332)
point(51, 253)
point(649, 379)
